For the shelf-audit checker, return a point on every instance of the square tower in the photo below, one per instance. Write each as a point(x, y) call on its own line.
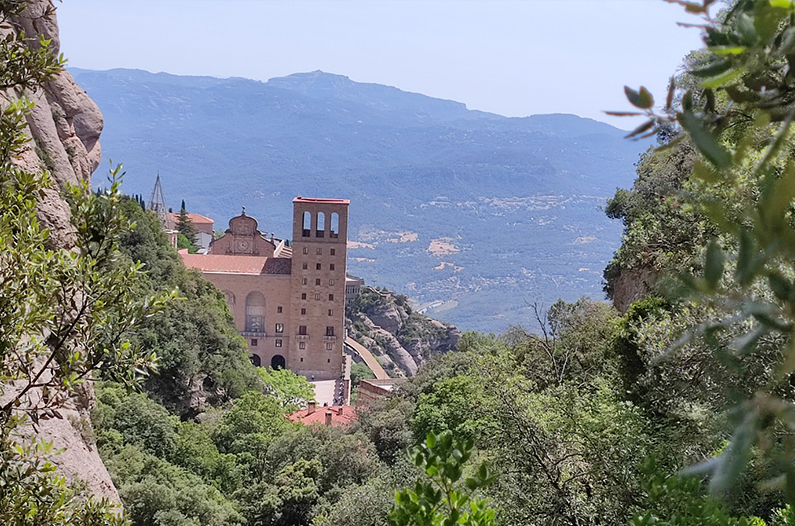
point(317, 309)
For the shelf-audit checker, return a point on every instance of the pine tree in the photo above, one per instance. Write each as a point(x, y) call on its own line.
point(185, 227)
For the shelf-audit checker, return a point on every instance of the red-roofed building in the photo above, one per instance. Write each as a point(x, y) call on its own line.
point(288, 299)
point(328, 416)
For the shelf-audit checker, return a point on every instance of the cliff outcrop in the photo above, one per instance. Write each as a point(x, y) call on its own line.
point(401, 338)
point(64, 126)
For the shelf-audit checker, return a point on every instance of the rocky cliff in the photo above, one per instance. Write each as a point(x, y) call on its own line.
point(401, 338)
point(64, 126)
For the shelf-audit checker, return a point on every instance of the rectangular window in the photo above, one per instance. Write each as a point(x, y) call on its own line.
point(302, 346)
point(329, 331)
point(303, 281)
point(318, 266)
point(317, 281)
point(279, 310)
point(331, 266)
point(329, 346)
point(254, 342)
point(331, 312)
point(302, 330)
point(331, 297)
point(333, 252)
point(303, 295)
point(306, 250)
point(317, 295)
point(303, 312)
point(329, 360)
point(278, 343)
point(279, 328)
point(331, 282)
point(305, 266)
point(302, 359)
point(319, 251)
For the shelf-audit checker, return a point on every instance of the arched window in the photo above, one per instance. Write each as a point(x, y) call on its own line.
point(255, 312)
point(335, 225)
point(230, 298)
point(277, 362)
point(255, 360)
point(307, 222)
point(321, 224)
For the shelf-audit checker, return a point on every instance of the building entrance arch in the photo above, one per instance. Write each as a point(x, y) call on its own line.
point(255, 360)
point(277, 362)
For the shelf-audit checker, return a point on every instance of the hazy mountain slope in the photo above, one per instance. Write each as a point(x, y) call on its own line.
point(510, 208)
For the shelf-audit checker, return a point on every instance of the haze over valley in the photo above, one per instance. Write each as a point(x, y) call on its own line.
point(473, 215)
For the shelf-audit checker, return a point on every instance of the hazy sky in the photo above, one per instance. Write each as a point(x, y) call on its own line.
point(514, 57)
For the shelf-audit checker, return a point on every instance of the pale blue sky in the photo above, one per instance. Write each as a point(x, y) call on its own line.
point(512, 57)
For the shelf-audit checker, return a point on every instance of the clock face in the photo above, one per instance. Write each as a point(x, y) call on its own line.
point(242, 245)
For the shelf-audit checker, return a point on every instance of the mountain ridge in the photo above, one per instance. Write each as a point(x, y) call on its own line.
point(509, 200)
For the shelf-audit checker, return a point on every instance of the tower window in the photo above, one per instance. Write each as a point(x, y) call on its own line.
point(278, 343)
point(254, 342)
point(318, 266)
point(331, 297)
point(333, 251)
point(303, 281)
point(331, 282)
point(317, 295)
point(279, 310)
point(306, 250)
point(329, 360)
point(306, 219)
point(331, 312)
point(331, 266)
point(329, 331)
point(329, 346)
point(317, 281)
point(303, 312)
point(303, 295)
point(302, 346)
point(304, 266)
point(319, 252)
point(279, 328)
point(302, 330)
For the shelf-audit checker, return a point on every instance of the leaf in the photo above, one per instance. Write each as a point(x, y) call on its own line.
point(733, 459)
point(640, 129)
point(783, 4)
point(713, 266)
point(670, 98)
point(705, 141)
point(641, 99)
point(721, 80)
point(727, 50)
point(624, 113)
point(712, 69)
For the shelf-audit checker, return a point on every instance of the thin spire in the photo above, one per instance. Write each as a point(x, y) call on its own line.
point(157, 203)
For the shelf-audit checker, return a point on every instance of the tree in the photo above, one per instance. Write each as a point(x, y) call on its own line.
point(186, 228)
point(442, 499)
point(737, 107)
point(65, 312)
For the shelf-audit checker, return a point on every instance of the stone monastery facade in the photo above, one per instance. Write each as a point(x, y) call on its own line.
point(288, 301)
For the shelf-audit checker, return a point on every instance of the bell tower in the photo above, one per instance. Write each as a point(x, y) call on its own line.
point(320, 235)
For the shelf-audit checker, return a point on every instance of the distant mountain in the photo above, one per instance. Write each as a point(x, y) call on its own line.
point(471, 214)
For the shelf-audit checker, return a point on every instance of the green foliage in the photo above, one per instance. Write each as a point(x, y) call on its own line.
point(681, 501)
point(738, 115)
point(444, 499)
point(195, 338)
point(290, 389)
point(186, 229)
point(157, 493)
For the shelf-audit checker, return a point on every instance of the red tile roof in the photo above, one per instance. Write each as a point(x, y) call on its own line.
point(340, 415)
point(196, 219)
point(236, 264)
point(321, 200)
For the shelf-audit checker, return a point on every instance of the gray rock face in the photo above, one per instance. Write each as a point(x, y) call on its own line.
point(64, 127)
point(401, 340)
